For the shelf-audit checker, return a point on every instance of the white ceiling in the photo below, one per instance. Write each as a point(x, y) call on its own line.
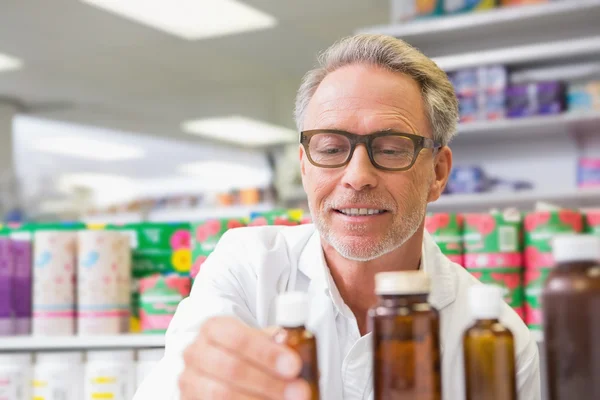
point(82, 64)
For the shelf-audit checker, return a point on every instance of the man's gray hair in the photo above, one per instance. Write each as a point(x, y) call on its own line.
point(395, 55)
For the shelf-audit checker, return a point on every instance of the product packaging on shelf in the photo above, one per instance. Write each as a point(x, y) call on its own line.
point(405, 10)
point(110, 375)
point(541, 98)
point(276, 217)
point(534, 283)
point(7, 323)
point(521, 2)
point(458, 6)
point(583, 96)
point(159, 298)
point(156, 248)
point(206, 235)
point(481, 92)
point(446, 231)
point(492, 244)
point(54, 283)
point(592, 221)
point(21, 249)
point(540, 227)
point(104, 283)
point(15, 376)
point(588, 172)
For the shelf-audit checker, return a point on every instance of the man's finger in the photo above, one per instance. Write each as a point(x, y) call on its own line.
point(252, 345)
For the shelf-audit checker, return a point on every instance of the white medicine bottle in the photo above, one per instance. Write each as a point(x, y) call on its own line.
point(58, 376)
point(110, 375)
point(15, 376)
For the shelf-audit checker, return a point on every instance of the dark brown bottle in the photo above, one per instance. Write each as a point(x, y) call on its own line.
point(406, 347)
point(571, 307)
point(489, 348)
point(292, 314)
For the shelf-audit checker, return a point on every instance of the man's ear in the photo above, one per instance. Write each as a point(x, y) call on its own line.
point(442, 168)
point(302, 160)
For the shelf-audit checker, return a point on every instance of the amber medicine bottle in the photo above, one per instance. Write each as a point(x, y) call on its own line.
point(489, 349)
point(406, 347)
point(571, 307)
point(292, 314)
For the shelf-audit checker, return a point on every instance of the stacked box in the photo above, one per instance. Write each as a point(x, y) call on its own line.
point(156, 248)
point(206, 235)
point(492, 244)
point(159, 298)
point(540, 228)
point(446, 231)
point(276, 217)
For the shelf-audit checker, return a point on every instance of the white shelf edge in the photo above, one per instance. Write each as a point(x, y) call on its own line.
point(477, 19)
point(492, 199)
point(58, 343)
point(490, 127)
point(563, 49)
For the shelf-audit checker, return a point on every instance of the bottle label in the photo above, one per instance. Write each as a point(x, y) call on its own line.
point(109, 384)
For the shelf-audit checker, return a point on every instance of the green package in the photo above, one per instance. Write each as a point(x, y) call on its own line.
point(511, 279)
point(446, 231)
point(492, 233)
point(535, 280)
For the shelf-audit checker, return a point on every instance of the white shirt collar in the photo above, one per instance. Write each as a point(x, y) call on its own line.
point(443, 280)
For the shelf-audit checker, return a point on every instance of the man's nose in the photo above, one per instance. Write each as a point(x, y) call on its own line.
point(360, 173)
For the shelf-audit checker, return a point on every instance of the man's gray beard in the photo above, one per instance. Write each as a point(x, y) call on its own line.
point(393, 239)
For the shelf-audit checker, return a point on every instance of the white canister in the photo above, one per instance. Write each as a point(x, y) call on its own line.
point(110, 375)
point(58, 376)
point(15, 376)
point(148, 359)
point(54, 283)
point(104, 280)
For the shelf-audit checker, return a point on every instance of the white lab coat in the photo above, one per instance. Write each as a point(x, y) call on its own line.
point(250, 266)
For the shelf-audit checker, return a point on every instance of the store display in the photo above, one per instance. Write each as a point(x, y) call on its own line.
point(58, 375)
point(206, 235)
point(159, 298)
point(592, 221)
point(446, 231)
point(54, 283)
point(292, 316)
point(21, 250)
point(103, 283)
point(583, 96)
point(15, 376)
point(534, 283)
point(493, 240)
point(459, 6)
point(110, 375)
point(588, 172)
point(522, 2)
point(489, 348)
point(147, 360)
point(571, 321)
point(404, 10)
point(7, 323)
point(403, 325)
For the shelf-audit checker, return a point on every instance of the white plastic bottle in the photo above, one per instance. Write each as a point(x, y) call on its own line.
point(110, 375)
point(15, 376)
point(58, 376)
point(148, 359)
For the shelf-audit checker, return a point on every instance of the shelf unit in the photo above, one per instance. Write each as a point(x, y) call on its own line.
point(198, 214)
point(64, 343)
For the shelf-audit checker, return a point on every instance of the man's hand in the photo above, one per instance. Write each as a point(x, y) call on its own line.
point(231, 361)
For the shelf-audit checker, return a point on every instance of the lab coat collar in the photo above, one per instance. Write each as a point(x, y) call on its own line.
point(443, 278)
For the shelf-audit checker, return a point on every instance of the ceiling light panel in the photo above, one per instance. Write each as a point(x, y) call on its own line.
point(9, 63)
point(89, 149)
point(240, 130)
point(190, 19)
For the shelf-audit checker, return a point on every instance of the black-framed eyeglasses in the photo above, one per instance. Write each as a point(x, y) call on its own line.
point(388, 150)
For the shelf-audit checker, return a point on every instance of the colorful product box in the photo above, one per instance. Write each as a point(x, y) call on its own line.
point(458, 6)
point(404, 10)
point(592, 221)
point(540, 228)
point(446, 231)
point(276, 217)
point(492, 240)
point(588, 172)
point(206, 235)
point(159, 298)
point(534, 285)
point(583, 96)
point(521, 2)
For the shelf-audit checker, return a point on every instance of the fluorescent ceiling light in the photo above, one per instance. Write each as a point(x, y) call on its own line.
point(90, 149)
point(221, 175)
point(190, 19)
point(8, 63)
point(240, 130)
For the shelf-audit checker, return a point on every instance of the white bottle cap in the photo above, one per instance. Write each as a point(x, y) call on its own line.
point(567, 248)
point(486, 301)
point(110, 356)
point(402, 283)
point(150, 355)
point(67, 357)
point(292, 309)
point(16, 359)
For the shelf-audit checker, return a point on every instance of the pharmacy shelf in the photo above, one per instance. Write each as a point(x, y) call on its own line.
point(587, 48)
point(498, 27)
point(515, 128)
point(525, 200)
point(198, 214)
point(62, 343)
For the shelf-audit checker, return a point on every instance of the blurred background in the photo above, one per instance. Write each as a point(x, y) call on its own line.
point(160, 118)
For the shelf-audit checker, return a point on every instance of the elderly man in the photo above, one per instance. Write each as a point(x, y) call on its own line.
point(375, 119)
